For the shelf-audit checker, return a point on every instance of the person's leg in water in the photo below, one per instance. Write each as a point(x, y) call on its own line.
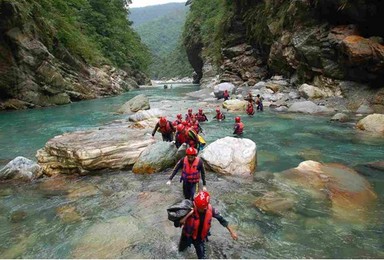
point(167, 137)
point(200, 248)
point(184, 243)
point(189, 189)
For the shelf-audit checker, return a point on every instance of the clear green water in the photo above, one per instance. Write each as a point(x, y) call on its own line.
point(32, 227)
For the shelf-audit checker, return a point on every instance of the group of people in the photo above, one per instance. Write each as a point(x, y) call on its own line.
point(258, 101)
point(197, 223)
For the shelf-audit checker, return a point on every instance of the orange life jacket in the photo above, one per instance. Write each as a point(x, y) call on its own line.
point(190, 172)
point(191, 227)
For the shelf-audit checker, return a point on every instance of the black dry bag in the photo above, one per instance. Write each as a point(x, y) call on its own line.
point(179, 210)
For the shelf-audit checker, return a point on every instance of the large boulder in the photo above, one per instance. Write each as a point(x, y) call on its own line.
point(85, 151)
point(235, 105)
point(350, 194)
point(155, 158)
point(21, 168)
point(308, 107)
point(219, 89)
point(372, 123)
point(146, 114)
point(231, 156)
point(312, 92)
point(139, 102)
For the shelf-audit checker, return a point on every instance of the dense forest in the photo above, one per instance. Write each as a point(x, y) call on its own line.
point(160, 28)
point(54, 52)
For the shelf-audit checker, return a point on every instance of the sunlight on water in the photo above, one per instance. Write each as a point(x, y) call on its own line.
point(122, 215)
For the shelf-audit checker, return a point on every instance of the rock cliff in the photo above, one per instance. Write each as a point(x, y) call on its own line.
point(37, 70)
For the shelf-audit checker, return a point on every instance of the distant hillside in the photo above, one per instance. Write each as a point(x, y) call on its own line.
point(147, 14)
point(160, 28)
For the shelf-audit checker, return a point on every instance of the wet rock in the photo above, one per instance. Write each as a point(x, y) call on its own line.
point(350, 194)
point(231, 156)
point(83, 191)
point(139, 102)
point(364, 109)
point(109, 239)
point(235, 105)
point(21, 168)
point(85, 151)
point(308, 107)
point(219, 89)
point(18, 216)
point(313, 92)
point(340, 117)
point(372, 123)
point(155, 158)
point(146, 114)
point(68, 214)
point(274, 203)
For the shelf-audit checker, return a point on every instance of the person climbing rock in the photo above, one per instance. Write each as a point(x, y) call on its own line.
point(193, 170)
point(238, 127)
point(166, 129)
point(197, 224)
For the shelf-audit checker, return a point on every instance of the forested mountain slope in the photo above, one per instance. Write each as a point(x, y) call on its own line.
point(58, 51)
point(160, 28)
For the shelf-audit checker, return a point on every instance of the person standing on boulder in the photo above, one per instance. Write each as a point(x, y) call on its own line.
point(192, 170)
point(166, 129)
point(197, 224)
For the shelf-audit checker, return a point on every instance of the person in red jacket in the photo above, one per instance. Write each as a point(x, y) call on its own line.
point(193, 170)
point(180, 137)
point(179, 120)
point(166, 129)
point(250, 109)
point(226, 95)
point(200, 116)
point(238, 127)
point(188, 117)
point(197, 223)
point(219, 115)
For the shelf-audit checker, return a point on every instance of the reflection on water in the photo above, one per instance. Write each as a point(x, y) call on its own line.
point(122, 215)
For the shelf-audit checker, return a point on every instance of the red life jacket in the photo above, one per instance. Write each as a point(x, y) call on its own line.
point(188, 117)
point(250, 110)
point(190, 172)
point(166, 129)
point(240, 129)
point(200, 117)
point(191, 227)
point(181, 138)
point(196, 127)
point(219, 116)
point(177, 122)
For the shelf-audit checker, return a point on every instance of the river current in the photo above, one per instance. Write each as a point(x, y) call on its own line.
point(122, 215)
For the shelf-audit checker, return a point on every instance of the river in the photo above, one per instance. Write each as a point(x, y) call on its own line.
point(122, 215)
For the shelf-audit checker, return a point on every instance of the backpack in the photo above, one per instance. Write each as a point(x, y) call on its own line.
point(179, 210)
